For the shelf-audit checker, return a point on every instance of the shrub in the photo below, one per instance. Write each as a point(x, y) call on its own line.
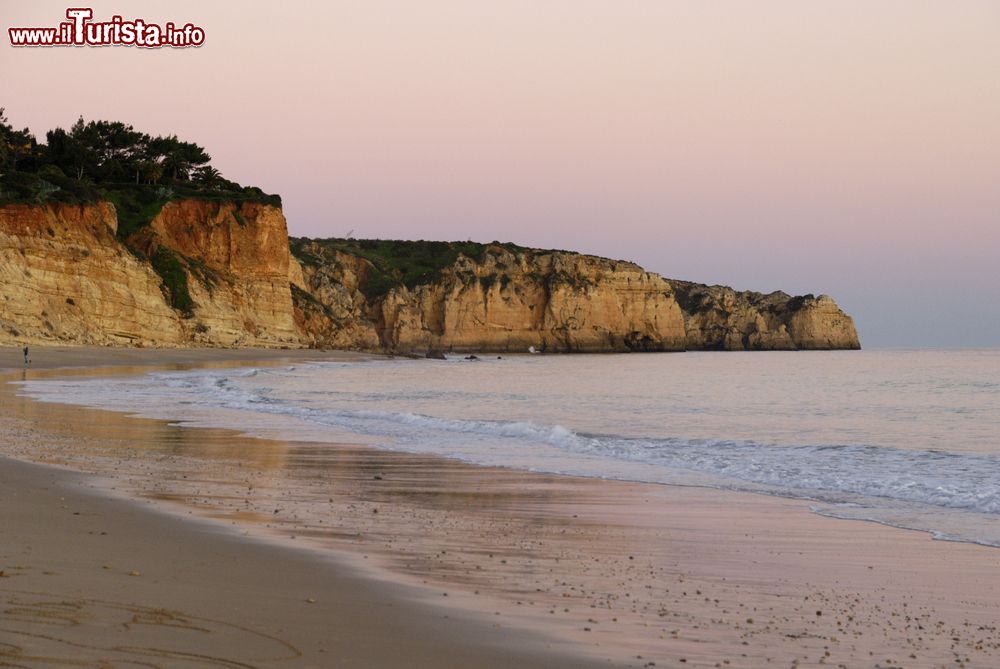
point(400, 263)
point(174, 278)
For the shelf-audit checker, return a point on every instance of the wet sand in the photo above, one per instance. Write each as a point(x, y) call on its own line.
point(558, 568)
point(91, 580)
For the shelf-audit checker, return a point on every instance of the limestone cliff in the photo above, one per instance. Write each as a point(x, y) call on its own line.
point(330, 307)
point(238, 268)
point(66, 278)
point(361, 294)
point(220, 273)
point(718, 317)
point(552, 301)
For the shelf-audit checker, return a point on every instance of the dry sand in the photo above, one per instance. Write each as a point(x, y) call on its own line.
point(443, 564)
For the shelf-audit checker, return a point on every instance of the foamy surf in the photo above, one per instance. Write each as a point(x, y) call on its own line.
point(498, 414)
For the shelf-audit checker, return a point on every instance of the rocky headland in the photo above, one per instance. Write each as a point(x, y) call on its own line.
point(216, 272)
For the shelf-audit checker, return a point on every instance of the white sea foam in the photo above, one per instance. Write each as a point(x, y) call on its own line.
point(503, 420)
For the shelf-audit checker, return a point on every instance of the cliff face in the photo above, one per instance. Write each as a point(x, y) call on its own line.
point(66, 278)
point(717, 317)
point(221, 274)
point(552, 301)
point(330, 308)
point(238, 268)
point(510, 300)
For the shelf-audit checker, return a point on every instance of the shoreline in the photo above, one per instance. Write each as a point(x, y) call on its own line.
point(137, 583)
point(736, 551)
point(144, 584)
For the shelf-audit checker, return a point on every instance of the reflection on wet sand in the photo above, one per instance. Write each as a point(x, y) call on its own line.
point(106, 434)
point(630, 572)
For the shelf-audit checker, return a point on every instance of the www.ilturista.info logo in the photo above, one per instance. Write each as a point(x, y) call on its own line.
point(81, 31)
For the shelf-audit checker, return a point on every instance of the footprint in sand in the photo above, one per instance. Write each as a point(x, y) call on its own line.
point(44, 629)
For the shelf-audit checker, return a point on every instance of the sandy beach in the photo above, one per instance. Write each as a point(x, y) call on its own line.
point(141, 545)
point(91, 580)
point(499, 335)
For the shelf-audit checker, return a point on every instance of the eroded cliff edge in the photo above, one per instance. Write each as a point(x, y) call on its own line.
point(236, 261)
point(720, 318)
point(65, 277)
point(465, 297)
point(200, 273)
point(220, 273)
point(486, 298)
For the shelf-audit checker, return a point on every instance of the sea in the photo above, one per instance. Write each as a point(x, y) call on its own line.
point(908, 438)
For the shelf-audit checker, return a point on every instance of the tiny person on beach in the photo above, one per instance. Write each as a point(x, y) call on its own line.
point(25, 355)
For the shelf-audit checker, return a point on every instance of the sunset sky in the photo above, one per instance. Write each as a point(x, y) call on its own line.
point(848, 148)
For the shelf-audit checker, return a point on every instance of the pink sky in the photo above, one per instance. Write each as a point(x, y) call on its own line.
point(849, 148)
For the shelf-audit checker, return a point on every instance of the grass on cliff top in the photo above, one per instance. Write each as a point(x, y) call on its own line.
point(398, 262)
point(137, 205)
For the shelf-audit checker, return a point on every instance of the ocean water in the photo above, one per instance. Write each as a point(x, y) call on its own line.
point(905, 438)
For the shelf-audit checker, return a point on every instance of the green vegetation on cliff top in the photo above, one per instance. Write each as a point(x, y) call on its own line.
point(138, 173)
point(396, 262)
point(110, 160)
